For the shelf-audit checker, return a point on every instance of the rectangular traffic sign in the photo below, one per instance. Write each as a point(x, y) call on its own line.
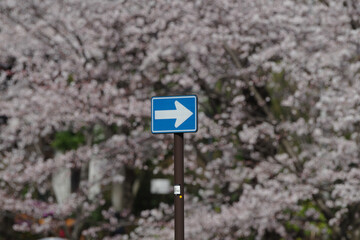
point(174, 114)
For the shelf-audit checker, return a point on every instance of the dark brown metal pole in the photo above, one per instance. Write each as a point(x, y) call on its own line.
point(179, 181)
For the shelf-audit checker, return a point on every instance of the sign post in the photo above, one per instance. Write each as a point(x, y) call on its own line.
point(179, 181)
point(176, 114)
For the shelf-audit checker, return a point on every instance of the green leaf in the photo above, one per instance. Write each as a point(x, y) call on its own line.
point(67, 140)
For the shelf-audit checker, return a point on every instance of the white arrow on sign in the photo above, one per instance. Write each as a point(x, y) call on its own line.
point(180, 114)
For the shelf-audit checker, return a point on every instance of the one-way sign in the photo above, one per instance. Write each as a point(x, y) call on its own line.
point(174, 114)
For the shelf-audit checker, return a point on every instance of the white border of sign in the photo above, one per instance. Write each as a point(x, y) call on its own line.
point(176, 97)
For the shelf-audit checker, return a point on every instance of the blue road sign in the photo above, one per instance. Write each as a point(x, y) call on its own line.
point(174, 114)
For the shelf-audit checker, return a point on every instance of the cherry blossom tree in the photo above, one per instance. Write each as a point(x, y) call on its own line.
point(276, 154)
